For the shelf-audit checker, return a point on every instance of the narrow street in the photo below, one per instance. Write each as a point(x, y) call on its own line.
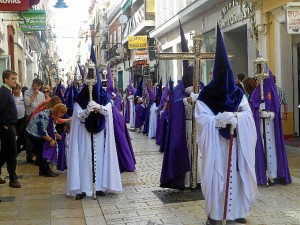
point(42, 200)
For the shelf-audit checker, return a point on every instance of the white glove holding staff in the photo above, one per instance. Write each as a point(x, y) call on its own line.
point(226, 118)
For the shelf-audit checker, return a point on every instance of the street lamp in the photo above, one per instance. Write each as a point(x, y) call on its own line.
point(60, 4)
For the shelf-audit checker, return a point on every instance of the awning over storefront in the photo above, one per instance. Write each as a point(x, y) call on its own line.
point(127, 5)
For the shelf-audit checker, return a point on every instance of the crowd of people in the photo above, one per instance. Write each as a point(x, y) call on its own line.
point(85, 133)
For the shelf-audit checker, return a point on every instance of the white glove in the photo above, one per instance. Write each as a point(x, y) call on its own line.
point(90, 107)
point(233, 122)
point(264, 114)
point(185, 101)
point(224, 117)
point(194, 96)
point(262, 107)
point(95, 105)
point(189, 90)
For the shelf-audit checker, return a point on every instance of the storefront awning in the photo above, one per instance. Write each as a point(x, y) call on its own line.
point(127, 5)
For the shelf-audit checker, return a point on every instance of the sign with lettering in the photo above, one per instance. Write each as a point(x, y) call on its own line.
point(239, 10)
point(293, 20)
point(141, 55)
point(136, 42)
point(33, 20)
point(14, 5)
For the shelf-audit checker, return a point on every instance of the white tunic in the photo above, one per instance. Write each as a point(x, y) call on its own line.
point(132, 111)
point(152, 121)
point(270, 145)
point(80, 176)
point(214, 149)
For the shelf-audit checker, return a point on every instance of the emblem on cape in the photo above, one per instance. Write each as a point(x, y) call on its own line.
point(269, 96)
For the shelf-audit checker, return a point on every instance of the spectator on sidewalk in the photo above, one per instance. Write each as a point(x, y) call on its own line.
point(20, 128)
point(239, 81)
point(8, 121)
point(32, 98)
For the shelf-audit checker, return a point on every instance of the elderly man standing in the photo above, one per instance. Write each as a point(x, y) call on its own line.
point(8, 121)
point(32, 98)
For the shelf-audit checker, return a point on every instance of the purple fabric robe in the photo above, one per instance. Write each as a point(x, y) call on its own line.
point(123, 143)
point(176, 161)
point(61, 158)
point(49, 152)
point(271, 100)
point(139, 115)
point(127, 111)
point(160, 120)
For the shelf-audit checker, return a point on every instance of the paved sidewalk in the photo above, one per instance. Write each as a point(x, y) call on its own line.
point(41, 200)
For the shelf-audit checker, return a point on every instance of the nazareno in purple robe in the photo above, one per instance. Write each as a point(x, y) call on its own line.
point(139, 115)
point(61, 158)
point(123, 143)
point(49, 152)
point(271, 99)
point(176, 161)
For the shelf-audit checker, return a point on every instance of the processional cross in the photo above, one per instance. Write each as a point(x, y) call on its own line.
point(197, 56)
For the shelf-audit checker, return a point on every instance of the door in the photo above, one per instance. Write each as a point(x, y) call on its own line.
point(120, 79)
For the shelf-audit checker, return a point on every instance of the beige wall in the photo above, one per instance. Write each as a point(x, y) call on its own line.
point(269, 5)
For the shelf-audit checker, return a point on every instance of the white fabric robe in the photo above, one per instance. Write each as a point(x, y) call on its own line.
point(214, 149)
point(271, 147)
point(152, 121)
point(132, 111)
point(79, 175)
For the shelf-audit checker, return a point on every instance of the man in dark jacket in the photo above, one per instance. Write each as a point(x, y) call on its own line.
point(8, 121)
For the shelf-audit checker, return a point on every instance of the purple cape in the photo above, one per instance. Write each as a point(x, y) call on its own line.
point(147, 118)
point(127, 111)
point(271, 99)
point(123, 143)
point(176, 161)
point(49, 152)
point(139, 115)
point(61, 158)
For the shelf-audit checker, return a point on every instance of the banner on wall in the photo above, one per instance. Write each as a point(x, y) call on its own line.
point(33, 20)
point(14, 5)
point(293, 18)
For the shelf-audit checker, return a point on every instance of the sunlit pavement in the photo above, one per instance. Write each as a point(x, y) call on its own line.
point(42, 200)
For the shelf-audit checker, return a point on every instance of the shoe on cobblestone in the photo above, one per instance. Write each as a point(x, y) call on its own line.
point(210, 221)
point(240, 220)
point(2, 181)
point(14, 184)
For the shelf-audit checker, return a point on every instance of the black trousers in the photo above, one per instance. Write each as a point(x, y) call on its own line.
point(21, 128)
point(8, 152)
point(38, 144)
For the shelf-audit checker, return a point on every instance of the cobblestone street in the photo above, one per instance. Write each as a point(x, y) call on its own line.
point(42, 200)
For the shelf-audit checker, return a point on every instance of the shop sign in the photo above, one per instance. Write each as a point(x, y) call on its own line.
point(14, 5)
point(136, 42)
point(293, 19)
point(141, 55)
point(239, 9)
point(33, 20)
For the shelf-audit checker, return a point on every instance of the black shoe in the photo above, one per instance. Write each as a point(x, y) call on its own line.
point(210, 221)
point(100, 193)
point(270, 182)
point(50, 174)
point(240, 220)
point(80, 196)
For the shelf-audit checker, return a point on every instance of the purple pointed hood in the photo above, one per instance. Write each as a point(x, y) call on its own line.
point(221, 94)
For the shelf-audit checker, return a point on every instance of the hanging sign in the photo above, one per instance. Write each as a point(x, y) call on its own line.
point(293, 18)
point(136, 42)
point(33, 20)
point(14, 5)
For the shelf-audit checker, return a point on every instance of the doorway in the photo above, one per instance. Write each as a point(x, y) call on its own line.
point(236, 43)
